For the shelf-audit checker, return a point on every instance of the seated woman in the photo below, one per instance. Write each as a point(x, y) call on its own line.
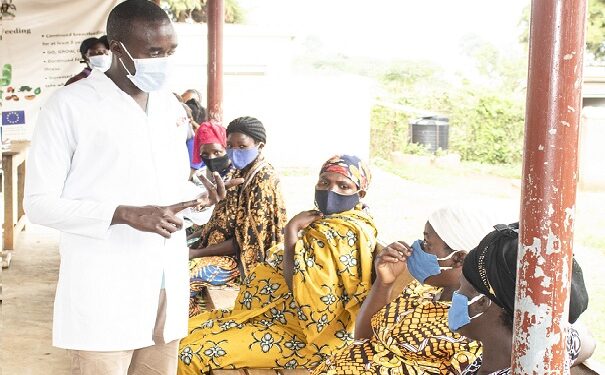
point(247, 223)
point(410, 334)
point(486, 298)
point(209, 146)
point(300, 304)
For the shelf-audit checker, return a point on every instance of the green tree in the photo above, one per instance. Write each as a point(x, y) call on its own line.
point(595, 28)
point(183, 10)
point(507, 71)
point(487, 127)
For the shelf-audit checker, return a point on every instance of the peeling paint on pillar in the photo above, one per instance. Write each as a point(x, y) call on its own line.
point(549, 188)
point(216, 19)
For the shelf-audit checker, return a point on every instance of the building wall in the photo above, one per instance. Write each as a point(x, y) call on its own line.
point(592, 150)
point(308, 117)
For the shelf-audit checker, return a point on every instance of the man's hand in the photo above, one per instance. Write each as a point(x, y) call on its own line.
point(163, 220)
point(215, 191)
point(156, 219)
point(391, 262)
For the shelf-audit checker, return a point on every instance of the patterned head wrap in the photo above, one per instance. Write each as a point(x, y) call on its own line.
point(492, 270)
point(208, 133)
point(351, 167)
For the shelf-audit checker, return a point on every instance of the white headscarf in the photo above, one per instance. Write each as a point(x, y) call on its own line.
point(463, 226)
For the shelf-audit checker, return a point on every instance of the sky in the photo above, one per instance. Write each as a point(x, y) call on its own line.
point(393, 29)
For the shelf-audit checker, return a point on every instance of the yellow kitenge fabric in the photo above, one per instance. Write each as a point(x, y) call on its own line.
point(254, 215)
point(411, 336)
point(270, 327)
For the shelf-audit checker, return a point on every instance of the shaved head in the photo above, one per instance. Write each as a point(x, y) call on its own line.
point(123, 18)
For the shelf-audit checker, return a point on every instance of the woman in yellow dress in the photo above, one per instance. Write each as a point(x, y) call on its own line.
point(300, 304)
point(410, 334)
point(247, 223)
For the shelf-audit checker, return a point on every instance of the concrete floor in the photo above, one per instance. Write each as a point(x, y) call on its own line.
point(27, 302)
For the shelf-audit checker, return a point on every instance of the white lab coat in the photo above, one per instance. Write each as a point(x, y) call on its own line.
point(93, 149)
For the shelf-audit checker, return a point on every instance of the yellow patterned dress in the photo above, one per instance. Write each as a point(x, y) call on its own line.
point(411, 336)
point(254, 215)
point(270, 327)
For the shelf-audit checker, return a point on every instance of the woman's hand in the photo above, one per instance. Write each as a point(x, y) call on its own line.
point(297, 223)
point(216, 190)
point(303, 219)
point(391, 262)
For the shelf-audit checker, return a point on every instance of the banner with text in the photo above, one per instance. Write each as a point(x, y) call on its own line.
point(40, 43)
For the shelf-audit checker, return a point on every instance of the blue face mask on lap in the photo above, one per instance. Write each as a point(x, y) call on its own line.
point(242, 157)
point(422, 264)
point(457, 315)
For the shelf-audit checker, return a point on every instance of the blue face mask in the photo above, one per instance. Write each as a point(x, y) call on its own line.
point(457, 315)
point(150, 74)
point(422, 264)
point(242, 157)
point(330, 202)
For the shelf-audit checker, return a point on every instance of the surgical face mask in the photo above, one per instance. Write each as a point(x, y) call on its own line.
point(457, 315)
point(218, 164)
point(242, 157)
point(330, 202)
point(422, 264)
point(100, 62)
point(150, 74)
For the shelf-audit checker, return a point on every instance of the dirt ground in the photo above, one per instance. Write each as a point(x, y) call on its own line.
point(400, 208)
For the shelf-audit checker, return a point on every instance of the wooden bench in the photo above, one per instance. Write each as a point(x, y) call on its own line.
point(221, 297)
point(588, 367)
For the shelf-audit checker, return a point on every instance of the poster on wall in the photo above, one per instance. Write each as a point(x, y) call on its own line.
point(40, 42)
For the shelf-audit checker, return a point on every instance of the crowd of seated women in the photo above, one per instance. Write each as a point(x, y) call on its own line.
point(315, 293)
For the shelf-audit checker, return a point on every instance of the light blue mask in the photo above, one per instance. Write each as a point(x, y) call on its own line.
point(422, 264)
point(151, 74)
point(457, 315)
point(242, 157)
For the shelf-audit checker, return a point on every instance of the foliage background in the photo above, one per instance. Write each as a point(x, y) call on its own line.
point(195, 10)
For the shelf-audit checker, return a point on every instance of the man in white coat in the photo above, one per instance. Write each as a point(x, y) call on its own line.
point(107, 165)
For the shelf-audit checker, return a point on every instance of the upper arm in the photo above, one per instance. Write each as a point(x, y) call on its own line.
point(581, 344)
point(52, 149)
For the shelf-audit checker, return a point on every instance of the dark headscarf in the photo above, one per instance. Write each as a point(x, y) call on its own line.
point(349, 166)
point(249, 126)
point(197, 111)
point(492, 270)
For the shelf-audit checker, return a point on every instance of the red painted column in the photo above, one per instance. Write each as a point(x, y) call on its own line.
point(216, 19)
point(550, 175)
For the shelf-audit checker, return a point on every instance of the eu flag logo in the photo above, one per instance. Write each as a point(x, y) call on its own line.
point(13, 118)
